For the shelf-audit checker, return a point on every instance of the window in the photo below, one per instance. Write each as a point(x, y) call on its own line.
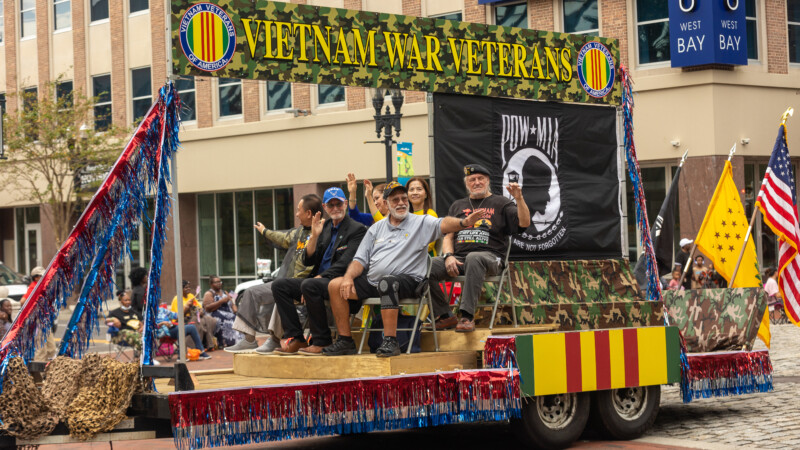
point(142, 92)
point(652, 26)
point(515, 15)
point(2, 104)
point(752, 28)
point(793, 16)
point(30, 98)
point(228, 244)
point(64, 95)
point(450, 16)
point(2, 22)
point(656, 182)
point(185, 87)
point(279, 95)
point(27, 18)
point(62, 15)
point(99, 10)
point(139, 5)
point(581, 17)
point(101, 89)
point(230, 97)
point(330, 94)
point(28, 237)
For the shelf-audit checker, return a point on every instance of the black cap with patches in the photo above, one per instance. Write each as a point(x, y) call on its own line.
point(391, 187)
point(472, 169)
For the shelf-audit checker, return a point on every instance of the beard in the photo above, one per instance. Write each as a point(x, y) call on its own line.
point(397, 215)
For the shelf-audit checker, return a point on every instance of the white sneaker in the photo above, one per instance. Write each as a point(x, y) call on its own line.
point(269, 346)
point(242, 346)
point(155, 362)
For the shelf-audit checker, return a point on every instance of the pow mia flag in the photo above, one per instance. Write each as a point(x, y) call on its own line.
point(563, 156)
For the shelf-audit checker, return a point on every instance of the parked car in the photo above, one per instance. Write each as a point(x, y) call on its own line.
point(12, 285)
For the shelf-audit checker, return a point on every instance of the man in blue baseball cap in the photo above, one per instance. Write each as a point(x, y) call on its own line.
point(330, 248)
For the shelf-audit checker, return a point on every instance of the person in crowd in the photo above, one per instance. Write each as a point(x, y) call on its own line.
point(774, 298)
point(352, 206)
point(682, 259)
point(194, 313)
point(167, 325)
point(138, 277)
point(48, 350)
point(36, 275)
point(699, 273)
point(221, 306)
point(675, 282)
point(5, 316)
point(419, 195)
point(257, 312)
point(128, 321)
point(479, 250)
point(390, 263)
point(329, 250)
point(374, 195)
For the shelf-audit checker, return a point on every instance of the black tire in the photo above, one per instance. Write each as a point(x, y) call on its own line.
point(626, 413)
point(552, 421)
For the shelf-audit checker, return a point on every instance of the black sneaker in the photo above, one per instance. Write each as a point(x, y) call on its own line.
point(389, 347)
point(340, 347)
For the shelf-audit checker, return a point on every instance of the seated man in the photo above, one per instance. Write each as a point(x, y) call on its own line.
point(479, 251)
point(257, 312)
point(5, 316)
point(394, 254)
point(194, 313)
point(330, 249)
point(128, 321)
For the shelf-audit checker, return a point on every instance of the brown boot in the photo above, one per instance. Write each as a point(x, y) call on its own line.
point(312, 350)
point(465, 325)
point(292, 346)
point(443, 323)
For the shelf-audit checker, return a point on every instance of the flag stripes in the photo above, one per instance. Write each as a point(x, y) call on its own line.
point(581, 361)
point(596, 70)
point(778, 205)
point(208, 37)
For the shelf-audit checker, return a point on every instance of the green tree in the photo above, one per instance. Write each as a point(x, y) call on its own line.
point(56, 154)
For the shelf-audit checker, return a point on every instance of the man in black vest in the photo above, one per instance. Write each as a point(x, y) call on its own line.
point(331, 247)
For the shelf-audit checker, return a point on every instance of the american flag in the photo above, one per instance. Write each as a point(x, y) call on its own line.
point(778, 203)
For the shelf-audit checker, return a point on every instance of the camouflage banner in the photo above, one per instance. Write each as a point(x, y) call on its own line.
point(268, 40)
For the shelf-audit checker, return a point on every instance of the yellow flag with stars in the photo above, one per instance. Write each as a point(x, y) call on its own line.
point(722, 234)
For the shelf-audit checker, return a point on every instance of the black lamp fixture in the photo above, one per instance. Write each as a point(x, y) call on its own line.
point(387, 121)
point(2, 128)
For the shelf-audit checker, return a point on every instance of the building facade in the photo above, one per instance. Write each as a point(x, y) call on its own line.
point(251, 149)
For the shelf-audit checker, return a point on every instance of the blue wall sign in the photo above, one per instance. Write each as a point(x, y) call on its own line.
point(707, 32)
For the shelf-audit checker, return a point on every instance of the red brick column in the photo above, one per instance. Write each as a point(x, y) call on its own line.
point(540, 15)
point(413, 8)
point(158, 63)
point(473, 12)
point(43, 45)
point(205, 116)
point(614, 24)
point(79, 68)
point(250, 100)
point(119, 97)
point(777, 41)
point(10, 41)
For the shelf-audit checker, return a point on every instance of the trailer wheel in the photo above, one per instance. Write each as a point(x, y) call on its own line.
point(553, 421)
point(626, 413)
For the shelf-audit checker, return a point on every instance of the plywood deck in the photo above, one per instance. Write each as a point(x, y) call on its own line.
point(355, 366)
point(228, 380)
point(449, 340)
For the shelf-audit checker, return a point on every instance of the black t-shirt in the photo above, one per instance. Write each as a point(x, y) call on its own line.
point(137, 298)
point(490, 233)
point(682, 258)
point(129, 320)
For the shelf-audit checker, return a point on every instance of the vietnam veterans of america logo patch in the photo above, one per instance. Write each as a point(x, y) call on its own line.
point(596, 69)
point(208, 38)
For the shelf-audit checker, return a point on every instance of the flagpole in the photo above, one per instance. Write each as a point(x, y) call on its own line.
point(694, 246)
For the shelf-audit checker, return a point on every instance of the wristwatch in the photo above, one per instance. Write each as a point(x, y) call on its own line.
point(447, 255)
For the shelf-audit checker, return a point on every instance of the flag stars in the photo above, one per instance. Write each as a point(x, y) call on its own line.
point(723, 260)
point(727, 235)
point(719, 247)
point(734, 225)
point(724, 224)
point(716, 235)
point(738, 236)
point(730, 247)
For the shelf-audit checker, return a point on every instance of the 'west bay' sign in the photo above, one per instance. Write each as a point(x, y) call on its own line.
point(707, 32)
point(307, 44)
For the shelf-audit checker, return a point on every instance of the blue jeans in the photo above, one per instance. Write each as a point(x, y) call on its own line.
point(191, 330)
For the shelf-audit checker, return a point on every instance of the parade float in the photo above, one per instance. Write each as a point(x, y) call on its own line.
point(572, 335)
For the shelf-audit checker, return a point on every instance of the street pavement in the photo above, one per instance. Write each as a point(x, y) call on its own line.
point(755, 421)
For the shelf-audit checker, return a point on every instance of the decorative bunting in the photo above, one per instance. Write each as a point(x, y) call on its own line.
point(727, 373)
point(222, 417)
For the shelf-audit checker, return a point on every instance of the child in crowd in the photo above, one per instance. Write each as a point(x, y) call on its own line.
point(674, 283)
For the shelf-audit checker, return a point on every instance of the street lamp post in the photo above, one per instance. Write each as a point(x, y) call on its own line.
point(387, 122)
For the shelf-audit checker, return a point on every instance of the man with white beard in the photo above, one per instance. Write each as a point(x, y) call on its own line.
point(390, 263)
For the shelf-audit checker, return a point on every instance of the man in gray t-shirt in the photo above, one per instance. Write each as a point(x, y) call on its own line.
point(390, 263)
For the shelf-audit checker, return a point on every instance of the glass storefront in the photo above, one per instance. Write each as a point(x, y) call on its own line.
point(228, 242)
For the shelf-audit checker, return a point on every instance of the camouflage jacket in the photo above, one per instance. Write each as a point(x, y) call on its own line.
point(294, 241)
